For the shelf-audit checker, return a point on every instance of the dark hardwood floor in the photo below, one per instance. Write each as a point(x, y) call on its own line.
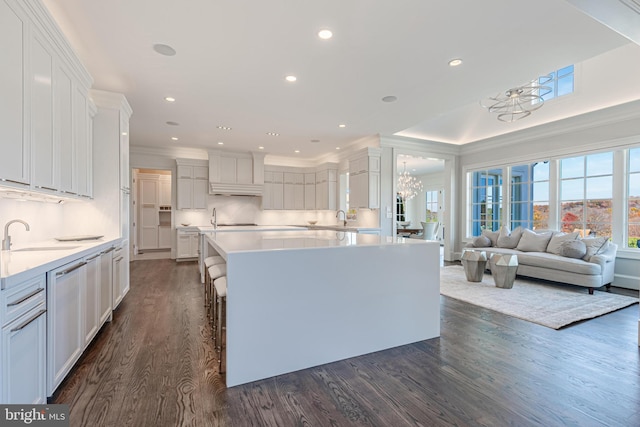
point(154, 365)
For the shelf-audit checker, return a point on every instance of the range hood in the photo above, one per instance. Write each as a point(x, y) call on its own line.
point(230, 189)
point(236, 174)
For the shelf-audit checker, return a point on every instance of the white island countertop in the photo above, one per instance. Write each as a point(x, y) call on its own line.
point(223, 228)
point(226, 243)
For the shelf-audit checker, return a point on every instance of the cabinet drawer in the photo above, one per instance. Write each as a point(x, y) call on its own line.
point(19, 299)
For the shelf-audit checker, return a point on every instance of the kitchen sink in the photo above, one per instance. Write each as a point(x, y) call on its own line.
point(46, 248)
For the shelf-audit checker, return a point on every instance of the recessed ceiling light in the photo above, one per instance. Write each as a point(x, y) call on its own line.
point(390, 98)
point(173, 123)
point(296, 151)
point(291, 79)
point(455, 62)
point(325, 34)
point(220, 143)
point(337, 148)
point(273, 134)
point(224, 127)
point(261, 148)
point(124, 134)
point(164, 49)
point(342, 125)
point(169, 99)
point(174, 138)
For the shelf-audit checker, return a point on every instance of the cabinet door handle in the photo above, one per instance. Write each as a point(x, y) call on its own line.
point(26, 297)
point(108, 250)
point(93, 257)
point(13, 181)
point(26, 322)
point(70, 269)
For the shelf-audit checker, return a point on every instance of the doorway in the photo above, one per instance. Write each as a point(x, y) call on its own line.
point(153, 214)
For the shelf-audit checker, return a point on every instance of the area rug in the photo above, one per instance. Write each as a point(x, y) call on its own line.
point(544, 303)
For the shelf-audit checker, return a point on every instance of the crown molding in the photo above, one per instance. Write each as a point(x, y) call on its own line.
point(170, 152)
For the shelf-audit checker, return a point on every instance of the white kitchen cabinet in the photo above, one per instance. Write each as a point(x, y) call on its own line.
point(273, 196)
point(148, 211)
point(63, 91)
point(193, 180)
point(164, 237)
point(14, 102)
point(120, 271)
point(230, 168)
point(83, 162)
point(110, 155)
point(326, 189)
point(188, 245)
point(165, 191)
point(364, 179)
point(309, 191)
point(23, 349)
point(91, 298)
point(45, 156)
point(105, 307)
point(293, 190)
point(65, 341)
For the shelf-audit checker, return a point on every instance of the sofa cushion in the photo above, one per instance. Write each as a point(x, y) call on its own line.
point(595, 246)
point(492, 235)
point(481, 242)
point(573, 249)
point(533, 242)
point(509, 239)
point(556, 262)
point(557, 239)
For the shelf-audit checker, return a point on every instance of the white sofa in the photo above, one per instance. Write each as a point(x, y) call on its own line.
point(591, 271)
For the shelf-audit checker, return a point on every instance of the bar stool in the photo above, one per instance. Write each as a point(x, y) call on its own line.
point(208, 262)
point(220, 289)
point(215, 271)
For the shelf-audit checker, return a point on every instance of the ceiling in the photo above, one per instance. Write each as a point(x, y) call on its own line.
point(232, 58)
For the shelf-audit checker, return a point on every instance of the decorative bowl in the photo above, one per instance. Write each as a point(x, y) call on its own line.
point(312, 222)
point(404, 224)
point(185, 224)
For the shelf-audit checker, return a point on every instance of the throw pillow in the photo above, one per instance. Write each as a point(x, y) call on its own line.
point(507, 239)
point(481, 242)
point(492, 235)
point(558, 239)
point(573, 249)
point(595, 246)
point(533, 242)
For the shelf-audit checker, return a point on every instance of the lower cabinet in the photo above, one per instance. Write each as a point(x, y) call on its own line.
point(105, 307)
point(120, 280)
point(65, 341)
point(23, 349)
point(188, 245)
point(91, 298)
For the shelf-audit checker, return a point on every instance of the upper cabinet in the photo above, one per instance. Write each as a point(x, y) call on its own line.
point(14, 102)
point(192, 184)
point(364, 179)
point(45, 112)
point(293, 188)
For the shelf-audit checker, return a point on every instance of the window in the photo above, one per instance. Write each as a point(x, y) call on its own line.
point(486, 200)
point(586, 190)
point(400, 214)
point(633, 199)
point(561, 83)
point(432, 205)
point(530, 195)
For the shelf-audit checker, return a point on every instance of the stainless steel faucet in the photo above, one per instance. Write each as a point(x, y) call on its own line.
point(6, 243)
point(214, 219)
point(344, 221)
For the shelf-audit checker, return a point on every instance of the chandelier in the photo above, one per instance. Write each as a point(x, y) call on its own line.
point(518, 102)
point(408, 186)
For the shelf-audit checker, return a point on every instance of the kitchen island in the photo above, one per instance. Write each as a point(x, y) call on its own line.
point(298, 299)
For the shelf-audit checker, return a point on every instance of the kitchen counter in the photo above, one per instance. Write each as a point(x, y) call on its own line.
point(17, 265)
point(299, 299)
point(223, 228)
point(338, 227)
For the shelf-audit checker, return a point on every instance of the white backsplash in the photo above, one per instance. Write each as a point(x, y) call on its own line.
point(240, 209)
